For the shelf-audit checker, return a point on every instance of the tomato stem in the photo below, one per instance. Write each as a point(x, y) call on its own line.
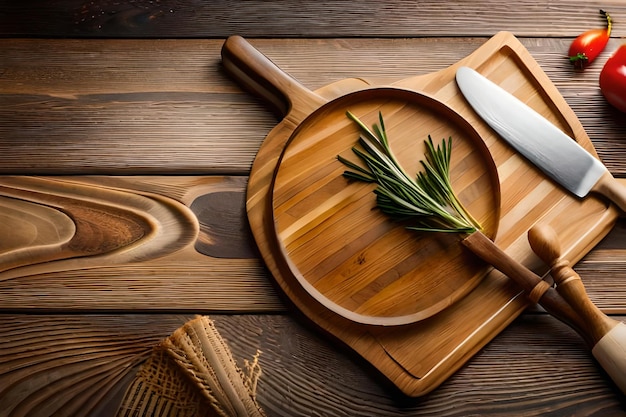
point(579, 60)
point(609, 22)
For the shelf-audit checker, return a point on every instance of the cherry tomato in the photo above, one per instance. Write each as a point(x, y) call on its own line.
point(613, 79)
point(587, 46)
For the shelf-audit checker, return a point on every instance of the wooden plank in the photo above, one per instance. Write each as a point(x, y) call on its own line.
point(194, 251)
point(284, 18)
point(81, 365)
point(169, 101)
point(218, 271)
point(73, 365)
point(522, 371)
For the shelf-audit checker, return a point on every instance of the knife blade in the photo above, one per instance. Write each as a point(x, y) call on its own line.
point(559, 156)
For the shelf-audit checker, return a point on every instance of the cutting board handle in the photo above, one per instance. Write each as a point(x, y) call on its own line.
point(262, 77)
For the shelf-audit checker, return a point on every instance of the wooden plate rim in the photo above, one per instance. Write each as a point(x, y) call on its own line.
point(320, 298)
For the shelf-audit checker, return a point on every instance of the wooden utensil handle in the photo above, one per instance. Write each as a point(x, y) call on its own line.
point(544, 242)
point(608, 336)
point(262, 77)
point(613, 189)
point(536, 289)
point(610, 352)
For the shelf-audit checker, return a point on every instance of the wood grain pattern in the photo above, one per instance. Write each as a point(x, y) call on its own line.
point(284, 18)
point(128, 242)
point(73, 365)
point(106, 226)
point(303, 374)
point(497, 381)
point(88, 118)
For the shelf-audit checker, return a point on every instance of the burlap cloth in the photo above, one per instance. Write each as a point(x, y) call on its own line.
point(192, 373)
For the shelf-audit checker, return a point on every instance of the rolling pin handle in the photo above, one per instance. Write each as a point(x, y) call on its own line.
point(607, 336)
point(610, 352)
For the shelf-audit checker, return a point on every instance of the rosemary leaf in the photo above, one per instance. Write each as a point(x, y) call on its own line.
point(427, 199)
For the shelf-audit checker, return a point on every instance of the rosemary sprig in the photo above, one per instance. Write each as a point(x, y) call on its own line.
point(428, 200)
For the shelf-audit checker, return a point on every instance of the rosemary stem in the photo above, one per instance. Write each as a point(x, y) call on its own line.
point(428, 199)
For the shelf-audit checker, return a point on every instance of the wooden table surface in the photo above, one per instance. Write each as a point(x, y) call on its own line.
point(131, 94)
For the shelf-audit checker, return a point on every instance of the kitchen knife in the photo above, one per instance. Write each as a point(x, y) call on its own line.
point(541, 142)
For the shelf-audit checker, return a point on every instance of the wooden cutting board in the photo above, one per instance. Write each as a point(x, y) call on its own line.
point(416, 308)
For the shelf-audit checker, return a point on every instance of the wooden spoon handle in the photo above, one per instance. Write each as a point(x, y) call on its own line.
point(257, 73)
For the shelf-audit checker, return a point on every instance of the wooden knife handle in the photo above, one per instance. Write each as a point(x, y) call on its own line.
point(613, 189)
point(608, 336)
point(257, 73)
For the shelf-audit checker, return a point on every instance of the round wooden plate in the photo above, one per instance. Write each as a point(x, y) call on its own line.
point(345, 253)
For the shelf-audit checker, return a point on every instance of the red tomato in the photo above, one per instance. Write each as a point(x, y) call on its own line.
point(613, 79)
point(587, 46)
